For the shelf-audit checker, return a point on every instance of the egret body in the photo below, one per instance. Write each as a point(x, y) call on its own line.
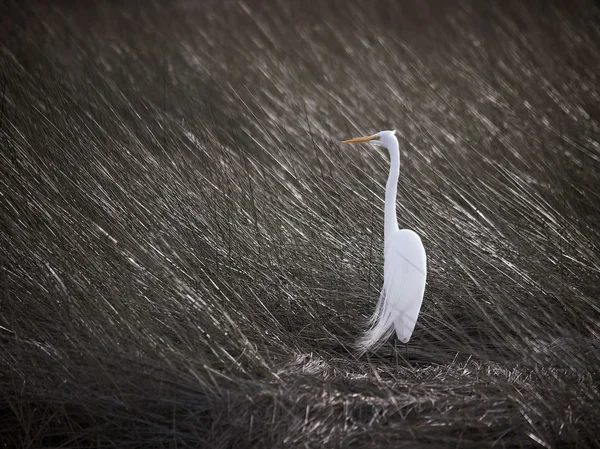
point(404, 267)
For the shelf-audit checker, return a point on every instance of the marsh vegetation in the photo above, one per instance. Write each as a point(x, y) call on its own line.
point(188, 255)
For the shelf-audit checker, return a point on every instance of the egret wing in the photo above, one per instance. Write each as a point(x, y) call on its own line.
point(405, 273)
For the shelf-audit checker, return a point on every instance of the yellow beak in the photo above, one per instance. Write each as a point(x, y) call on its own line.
point(361, 139)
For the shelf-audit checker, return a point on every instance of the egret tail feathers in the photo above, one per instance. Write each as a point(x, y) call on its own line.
point(397, 310)
point(381, 324)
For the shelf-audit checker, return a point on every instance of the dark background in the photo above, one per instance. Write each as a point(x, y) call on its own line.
point(188, 255)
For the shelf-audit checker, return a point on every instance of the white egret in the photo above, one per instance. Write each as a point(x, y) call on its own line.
point(404, 266)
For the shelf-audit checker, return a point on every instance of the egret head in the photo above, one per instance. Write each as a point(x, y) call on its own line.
point(382, 139)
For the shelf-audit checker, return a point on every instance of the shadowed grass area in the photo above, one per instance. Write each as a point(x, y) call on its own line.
point(188, 255)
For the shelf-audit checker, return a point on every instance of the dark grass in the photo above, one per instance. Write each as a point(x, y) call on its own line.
point(188, 254)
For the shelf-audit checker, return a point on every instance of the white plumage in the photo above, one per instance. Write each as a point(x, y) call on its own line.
point(404, 274)
point(405, 264)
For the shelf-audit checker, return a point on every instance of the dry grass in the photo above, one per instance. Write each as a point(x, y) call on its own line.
point(188, 255)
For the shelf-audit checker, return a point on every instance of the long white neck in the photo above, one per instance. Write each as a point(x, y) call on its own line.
point(391, 190)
